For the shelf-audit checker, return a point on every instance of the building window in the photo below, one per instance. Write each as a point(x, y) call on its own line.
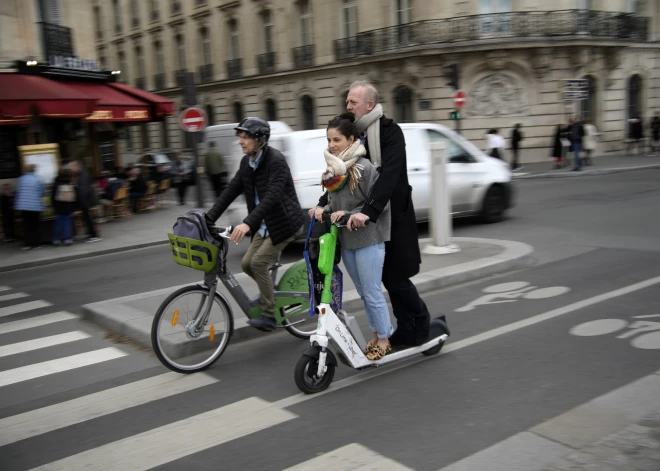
point(584, 5)
point(271, 110)
point(160, 58)
point(155, 10)
point(102, 61)
point(238, 112)
point(403, 11)
point(305, 23)
point(403, 105)
point(51, 12)
point(494, 18)
point(206, 46)
point(123, 67)
point(117, 12)
point(267, 25)
point(176, 7)
point(165, 135)
point(210, 115)
point(349, 18)
point(135, 13)
point(200, 3)
point(307, 112)
point(635, 97)
point(632, 6)
point(181, 52)
point(588, 106)
point(139, 62)
point(97, 22)
point(234, 40)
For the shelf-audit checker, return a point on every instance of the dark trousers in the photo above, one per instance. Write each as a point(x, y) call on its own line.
point(181, 188)
point(8, 223)
point(412, 315)
point(89, 222)
point(514, 163)
point(219, 182)
point(31, 236)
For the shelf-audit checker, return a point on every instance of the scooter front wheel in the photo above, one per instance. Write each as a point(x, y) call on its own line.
point(305, 375)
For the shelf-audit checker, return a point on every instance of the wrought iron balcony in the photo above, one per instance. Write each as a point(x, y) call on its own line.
point(303, 56)
point(58, 40)
point(234, 69)
point(206, 73)
point(180, 77)
point(530, 26)
point(159, 81)
point(266, 63)
point(141, 83)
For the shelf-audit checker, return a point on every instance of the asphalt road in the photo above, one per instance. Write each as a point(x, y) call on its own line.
point(550, 348)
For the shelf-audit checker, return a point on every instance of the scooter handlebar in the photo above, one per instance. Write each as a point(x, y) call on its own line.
point(341, 222)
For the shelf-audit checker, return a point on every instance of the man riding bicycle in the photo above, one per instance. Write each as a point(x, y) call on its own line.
point(275, 217)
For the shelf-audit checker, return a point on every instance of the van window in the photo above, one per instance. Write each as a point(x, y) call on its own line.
point(456, 153)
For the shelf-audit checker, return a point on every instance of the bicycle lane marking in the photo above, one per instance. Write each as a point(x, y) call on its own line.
point(475, 339)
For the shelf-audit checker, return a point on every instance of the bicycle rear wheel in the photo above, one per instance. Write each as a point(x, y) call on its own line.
point(178, 343)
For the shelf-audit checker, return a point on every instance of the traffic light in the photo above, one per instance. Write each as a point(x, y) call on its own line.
point(455, 115)
point(451, 74)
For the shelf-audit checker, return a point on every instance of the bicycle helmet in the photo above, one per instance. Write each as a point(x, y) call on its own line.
point(255, 127)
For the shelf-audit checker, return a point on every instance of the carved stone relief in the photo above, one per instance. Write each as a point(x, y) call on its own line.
point(541, 60)
point(496, 94)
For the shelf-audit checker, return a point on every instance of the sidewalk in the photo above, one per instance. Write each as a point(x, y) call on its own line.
point(602, 165)
point(132, 316)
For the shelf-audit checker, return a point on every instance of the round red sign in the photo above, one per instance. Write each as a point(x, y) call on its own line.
point(459, 99)
point(192, 119)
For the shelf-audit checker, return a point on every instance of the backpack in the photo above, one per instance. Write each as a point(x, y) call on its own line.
point(192, 225)
point(65, 194)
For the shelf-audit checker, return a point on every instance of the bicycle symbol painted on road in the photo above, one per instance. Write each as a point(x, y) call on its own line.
point(650, 340)
point(511, 292)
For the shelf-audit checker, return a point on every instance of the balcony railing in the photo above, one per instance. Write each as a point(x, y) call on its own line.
point(159, 81)
point(266, 63)
point(141, 83)
point(180, 77)
point(206, 73)
point(58, 40)
point(532, 25)
point(303, 56)
point(234, 69)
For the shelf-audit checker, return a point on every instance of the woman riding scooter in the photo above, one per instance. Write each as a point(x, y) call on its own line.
point(348, 179)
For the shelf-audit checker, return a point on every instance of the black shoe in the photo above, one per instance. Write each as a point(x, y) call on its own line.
point(263, 323)
point(400, 339)
point(577, 169)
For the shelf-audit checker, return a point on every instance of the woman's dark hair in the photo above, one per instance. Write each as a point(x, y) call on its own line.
point(345, 124)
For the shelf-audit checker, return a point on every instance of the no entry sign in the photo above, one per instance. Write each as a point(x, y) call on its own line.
point(192, 119)
point(459, 99)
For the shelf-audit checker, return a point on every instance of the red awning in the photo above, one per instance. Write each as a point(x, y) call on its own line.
point(161, 106)
point(112, 104)
point(22, 95)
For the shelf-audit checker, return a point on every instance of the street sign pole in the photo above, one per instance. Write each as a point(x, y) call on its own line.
point(191, 100)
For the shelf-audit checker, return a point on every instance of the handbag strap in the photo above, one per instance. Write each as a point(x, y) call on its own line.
point(309, 233)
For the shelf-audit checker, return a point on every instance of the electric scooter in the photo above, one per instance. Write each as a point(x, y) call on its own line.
point(315, 369)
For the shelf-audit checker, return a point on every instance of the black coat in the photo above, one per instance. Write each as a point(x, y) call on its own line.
point(402, 255)
point(278, 202)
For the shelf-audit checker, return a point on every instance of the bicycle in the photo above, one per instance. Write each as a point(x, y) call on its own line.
point(190, 322)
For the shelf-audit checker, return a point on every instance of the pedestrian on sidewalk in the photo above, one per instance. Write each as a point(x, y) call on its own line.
point(7, 208)
point(87, 197)
point(575, 136)
point(590, 140)
point(29, 193)
point(557, 151)
point(138, 187)
point(216, 169)
point(63, 196)
point(496, 144)
point(655, 133)
point(181, 170)
point(516, 138)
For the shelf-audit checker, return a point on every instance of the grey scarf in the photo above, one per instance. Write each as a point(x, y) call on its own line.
point(371, 123)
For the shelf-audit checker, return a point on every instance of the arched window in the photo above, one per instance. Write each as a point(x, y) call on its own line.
point(588, 105)
point(307, 112)
point(635, 97)
point(238, 112)
point(210, 114)
point(271, 110)
point(403, 103)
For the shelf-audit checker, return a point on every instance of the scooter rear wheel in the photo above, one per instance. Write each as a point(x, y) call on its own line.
point(305, 375)
point(433, 350)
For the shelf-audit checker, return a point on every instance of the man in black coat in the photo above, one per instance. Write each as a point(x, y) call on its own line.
point(275, 218)
point(386, 148)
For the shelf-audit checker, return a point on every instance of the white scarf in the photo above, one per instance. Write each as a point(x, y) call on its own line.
point(345, 163)
point(371, 123)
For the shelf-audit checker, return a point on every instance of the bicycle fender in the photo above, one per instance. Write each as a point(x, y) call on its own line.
point(313, 352)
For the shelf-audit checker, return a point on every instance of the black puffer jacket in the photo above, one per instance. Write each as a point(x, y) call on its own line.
point(278, 202)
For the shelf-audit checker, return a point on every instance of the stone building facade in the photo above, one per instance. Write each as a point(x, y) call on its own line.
point(293, 60)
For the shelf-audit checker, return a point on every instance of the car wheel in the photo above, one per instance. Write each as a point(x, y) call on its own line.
point(493, 206)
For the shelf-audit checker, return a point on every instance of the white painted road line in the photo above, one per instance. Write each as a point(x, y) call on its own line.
point(50, 367)
point(353, 457)
point(18, 308)
point(43, 342)
point(75, 411)
point(475, 339)
point(9, 297)
point(4, 288)
point(174, 441)
point(46, 319)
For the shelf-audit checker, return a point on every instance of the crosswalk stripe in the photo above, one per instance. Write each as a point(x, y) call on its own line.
point(5, 288)
point(9, 297)
point(353, 457)
point(18, 308)
point(59, 365)
point(82, 409)
point(38, 321)
point(42, 342)
point(183, 438)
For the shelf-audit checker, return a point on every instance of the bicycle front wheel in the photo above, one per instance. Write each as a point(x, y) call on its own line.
point(185, 340)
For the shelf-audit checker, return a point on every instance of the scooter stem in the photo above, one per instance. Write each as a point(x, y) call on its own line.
point(328, 246)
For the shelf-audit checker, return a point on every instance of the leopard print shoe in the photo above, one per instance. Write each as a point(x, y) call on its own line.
point(377, 352)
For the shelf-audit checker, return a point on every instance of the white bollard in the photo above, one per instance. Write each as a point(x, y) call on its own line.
point(440, 209)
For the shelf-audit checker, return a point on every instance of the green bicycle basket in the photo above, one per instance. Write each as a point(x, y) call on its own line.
point(192, 253)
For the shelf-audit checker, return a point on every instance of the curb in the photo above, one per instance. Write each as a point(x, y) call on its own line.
point(585, 173)
point(134, 324)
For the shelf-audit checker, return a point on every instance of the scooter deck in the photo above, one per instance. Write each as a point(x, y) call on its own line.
point(399, 354)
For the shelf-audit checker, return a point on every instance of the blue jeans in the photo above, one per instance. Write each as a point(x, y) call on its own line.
point(62, 229)
point(365, 267)
point(577, 161)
